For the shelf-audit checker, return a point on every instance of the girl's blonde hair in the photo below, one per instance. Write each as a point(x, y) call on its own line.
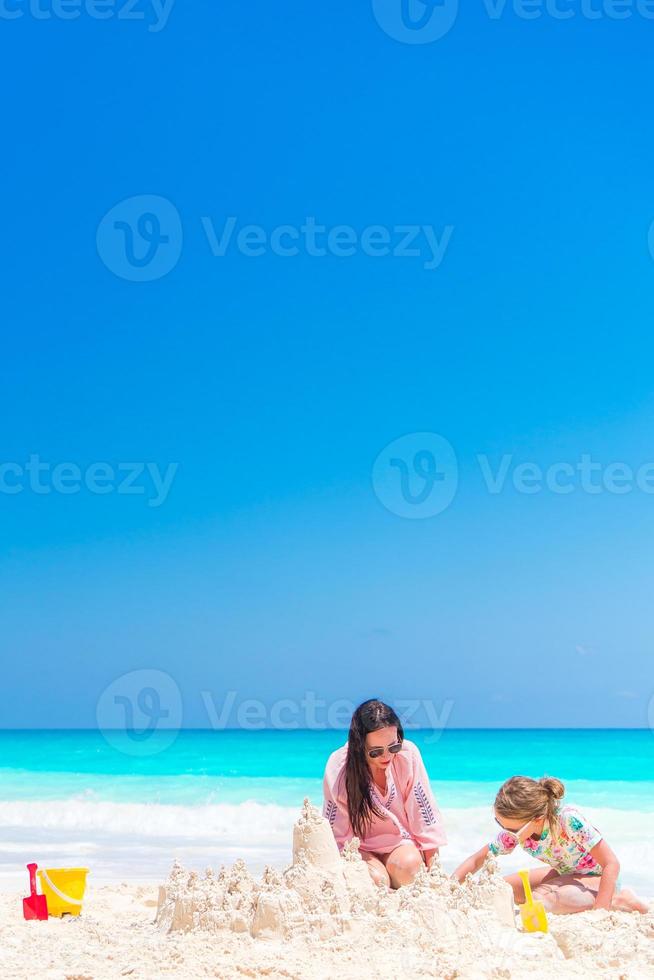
point(523, 798)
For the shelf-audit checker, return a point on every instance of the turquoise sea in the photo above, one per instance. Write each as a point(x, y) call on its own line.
point(125, 805)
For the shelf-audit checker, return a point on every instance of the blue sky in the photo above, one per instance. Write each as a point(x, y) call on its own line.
point(271, 384)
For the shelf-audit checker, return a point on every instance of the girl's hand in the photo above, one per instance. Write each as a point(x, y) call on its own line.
point(611, 869)
point(471, 864)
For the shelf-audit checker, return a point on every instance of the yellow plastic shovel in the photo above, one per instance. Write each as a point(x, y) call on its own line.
point(533, 914)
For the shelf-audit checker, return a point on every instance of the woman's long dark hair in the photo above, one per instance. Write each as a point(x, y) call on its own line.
point(368, 717)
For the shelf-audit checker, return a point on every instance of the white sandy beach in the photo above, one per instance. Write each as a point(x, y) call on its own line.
point(321, 917)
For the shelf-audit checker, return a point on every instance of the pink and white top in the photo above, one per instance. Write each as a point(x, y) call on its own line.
point(408, 810)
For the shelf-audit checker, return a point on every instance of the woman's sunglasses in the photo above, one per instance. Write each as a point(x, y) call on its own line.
point(376, 753)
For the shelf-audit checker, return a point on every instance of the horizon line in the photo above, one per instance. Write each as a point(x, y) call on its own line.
point(295, 731)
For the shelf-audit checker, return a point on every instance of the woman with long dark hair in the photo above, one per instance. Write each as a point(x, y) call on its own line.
point(376, 788)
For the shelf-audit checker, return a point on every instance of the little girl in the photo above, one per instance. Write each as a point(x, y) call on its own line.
point(583, 870)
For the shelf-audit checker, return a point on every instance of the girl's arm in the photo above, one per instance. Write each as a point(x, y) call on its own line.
point(578, 828)
point(471, 864)
point(605, 856)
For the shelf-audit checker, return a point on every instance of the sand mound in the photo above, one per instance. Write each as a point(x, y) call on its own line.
point(326, 902)
point(322, 894)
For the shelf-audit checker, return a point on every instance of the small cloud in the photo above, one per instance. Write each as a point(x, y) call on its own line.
point(627, 695)
point(583, 651)
point(500, 698)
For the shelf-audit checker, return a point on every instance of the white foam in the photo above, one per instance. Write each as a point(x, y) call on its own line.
point(232, 822)
point(133, 840)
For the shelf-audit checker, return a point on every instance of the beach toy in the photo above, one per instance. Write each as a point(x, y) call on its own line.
point(64, 889)
point(36, 906)
point(533, 914)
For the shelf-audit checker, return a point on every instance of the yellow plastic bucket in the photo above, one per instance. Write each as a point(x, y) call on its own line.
point(64, 889)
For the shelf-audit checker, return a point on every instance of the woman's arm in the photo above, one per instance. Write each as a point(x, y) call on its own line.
point(605, 856)
point(335, 807)
point(471, 864)
point(423, 815)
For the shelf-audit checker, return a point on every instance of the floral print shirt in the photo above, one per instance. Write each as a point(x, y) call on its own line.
point(567, 851)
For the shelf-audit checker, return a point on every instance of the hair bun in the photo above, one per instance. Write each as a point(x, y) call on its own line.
point(553, 787)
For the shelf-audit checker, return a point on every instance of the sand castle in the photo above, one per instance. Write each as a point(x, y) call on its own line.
point(324, 911)
point(324, 893)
